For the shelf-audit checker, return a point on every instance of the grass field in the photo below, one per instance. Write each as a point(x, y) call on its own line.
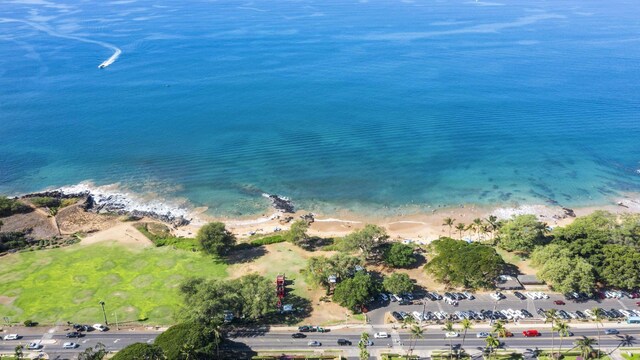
point(66, 284)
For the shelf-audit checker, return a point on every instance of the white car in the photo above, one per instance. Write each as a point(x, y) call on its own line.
point(69, 345)
point(34, 346)
point(12, 337)
point(496, 296)
point(100, 327)
point(482, 335)
point(381, 335)
point(469, 295)
point(384, 297)
point(451, 334)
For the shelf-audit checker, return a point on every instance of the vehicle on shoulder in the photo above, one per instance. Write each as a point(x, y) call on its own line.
point(559, 302)
point(304, 328)
point(343, 342)
point(69, 345)
point(298, 335)
point(381, 335)
point(74, 334)
point(12, 337)
point(611, 332)
point(320, 329)
point(314, 343)
point(531, 333)
point(100, 327)
point(34, 346)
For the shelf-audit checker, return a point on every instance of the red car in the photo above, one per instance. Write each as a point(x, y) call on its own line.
point(559, 302)
point(530, 333)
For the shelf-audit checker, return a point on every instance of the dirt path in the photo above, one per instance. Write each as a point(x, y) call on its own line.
point(123, 233)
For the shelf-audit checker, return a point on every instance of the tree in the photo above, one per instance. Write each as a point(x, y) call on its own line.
point(189, 341)
point(448, 222)
point(297, 234)
point(620, 267)
point(461, 227)
point(342, 266)
point(364, 341)
point(354, 292)
point(140, 351)
point(550, 317)
point(477, 225)
point(215, 239)
point(492, 344)
point(399, 255)
point(416, 333)
point(98, 352)
point(258, 296)
point(18, 354)
point(522, 233)
point(568, 274)
point(398, 283)
point(499, 329)
point(10, 207)
point(459, 263)
point(408, 321)
point(597, 317)
point(585, 345)
point(366, 239)
point(448, 327)
point(466, 325)
point(563, 331)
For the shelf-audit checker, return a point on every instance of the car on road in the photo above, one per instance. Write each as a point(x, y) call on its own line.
point(531, 333)
point(69, 345)
point(366, 343)
point(343, 342)
point(611, 332)
point(482, 334)
point(559, 302)
point(34, 346)
point(314, 343)
point(12, 337)
point(100, 327)
point(74, 334)
point(381, 335)
point(451, 334)
point(298, 335)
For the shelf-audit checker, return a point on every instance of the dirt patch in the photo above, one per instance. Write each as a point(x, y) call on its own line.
point(6, 300)
point(74, 219)
point(123, 233)
point(42, 225)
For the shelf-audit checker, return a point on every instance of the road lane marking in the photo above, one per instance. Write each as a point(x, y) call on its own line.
point(149, 341)
point(116, 341)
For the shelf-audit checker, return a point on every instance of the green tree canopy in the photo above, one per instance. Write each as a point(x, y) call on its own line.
point(297, 234)
point(366, 239)
point(398, 283)
point(399, 255)
point(621, 267)
point(188, 341)
point(459, 263)
point(215, 239)
point(140, 351)
point(522, 234)
point(343, 266)
point(566, 274)
point(355, 291)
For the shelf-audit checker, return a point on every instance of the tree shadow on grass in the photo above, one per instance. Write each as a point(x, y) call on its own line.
point(244, 254)
point(234, 350)
point(315, 243)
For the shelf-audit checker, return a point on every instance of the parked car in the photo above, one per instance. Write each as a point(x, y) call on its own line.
point(469, 295)
point(69, 345)
point(381, 335)
point(12, 337)
point(396, 316)
point(519, 295)
point(451, 334)
point(100, 327)
point(74, 334)
point(314, 343)
point(530, 333)
point(304, 328)
point(298, 335)
point(343, 342)
point(611, 332)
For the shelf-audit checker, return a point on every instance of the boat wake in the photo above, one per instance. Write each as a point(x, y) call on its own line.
point(46, 29)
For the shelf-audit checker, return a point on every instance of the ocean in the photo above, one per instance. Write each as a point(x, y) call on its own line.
point(364, 106)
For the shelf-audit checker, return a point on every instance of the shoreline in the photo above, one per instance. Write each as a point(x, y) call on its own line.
point(417, 224)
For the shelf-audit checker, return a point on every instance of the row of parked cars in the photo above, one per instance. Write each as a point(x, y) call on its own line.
point(611, 314)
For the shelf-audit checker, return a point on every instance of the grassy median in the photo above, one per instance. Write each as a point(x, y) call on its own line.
point(67, 284)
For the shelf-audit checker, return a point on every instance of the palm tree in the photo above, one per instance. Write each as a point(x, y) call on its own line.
point(466, 325)
point(477, 225)
point(563, 330)
point(448, 222)
point(585, 345)
point(416, 333)
point(364, 340)
point(461, 227)
point(448, 327)
point(492, 343)
point(409, 320)
point(597, 316)
point(499, 329)
point(551, 316)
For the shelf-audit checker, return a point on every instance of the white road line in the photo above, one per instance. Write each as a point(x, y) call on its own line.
point(116, 341)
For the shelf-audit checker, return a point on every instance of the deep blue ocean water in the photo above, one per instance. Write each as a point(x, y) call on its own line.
point(358, 105)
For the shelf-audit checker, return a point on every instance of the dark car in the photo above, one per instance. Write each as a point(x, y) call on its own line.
point(526, 313)
point(305, 328)
point(405, 302)
point(580, 314)
point(559, 302)
point(343, 342)
point(396, 316)
point(74, 334)
point(519, 295)
point(298, 336)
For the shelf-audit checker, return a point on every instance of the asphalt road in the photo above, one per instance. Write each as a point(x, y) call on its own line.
point(434, 339)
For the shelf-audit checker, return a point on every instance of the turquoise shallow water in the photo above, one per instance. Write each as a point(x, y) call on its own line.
point(350, 105)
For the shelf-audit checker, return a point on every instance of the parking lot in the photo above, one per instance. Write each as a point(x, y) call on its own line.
point(484, 302)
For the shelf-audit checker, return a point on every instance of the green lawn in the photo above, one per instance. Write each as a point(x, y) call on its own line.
point(66, 284)
point(633, 356)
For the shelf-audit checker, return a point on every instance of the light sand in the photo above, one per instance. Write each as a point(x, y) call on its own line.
point(123, 233)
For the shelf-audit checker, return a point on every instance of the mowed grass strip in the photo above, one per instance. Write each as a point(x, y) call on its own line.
point(67, 284)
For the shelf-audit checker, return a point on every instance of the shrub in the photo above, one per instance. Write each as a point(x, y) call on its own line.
point(273, 239)
point(30, 323)
point(45, 201)
point(10, 207)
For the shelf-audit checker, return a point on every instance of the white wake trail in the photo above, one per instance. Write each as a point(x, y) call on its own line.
point(43, 28)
